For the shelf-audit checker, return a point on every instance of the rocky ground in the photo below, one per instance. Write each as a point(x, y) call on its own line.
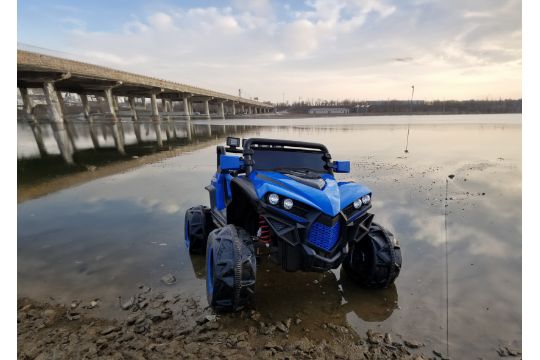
point(169, 327)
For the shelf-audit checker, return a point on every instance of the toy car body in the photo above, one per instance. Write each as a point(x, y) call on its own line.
point(280, 199)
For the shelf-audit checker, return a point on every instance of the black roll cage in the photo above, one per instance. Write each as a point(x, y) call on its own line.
point(247, 151)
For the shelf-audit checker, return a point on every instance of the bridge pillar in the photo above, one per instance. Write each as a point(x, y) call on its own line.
point(173, 123)
point(187, 108)
point(69, 129)
point(164, 107)
point(57, 121)
point(89, 118)
point(233, 108)
point(242, 109)
point(32, 121)
point(207, 109)
point(118, 139)
point(222, 109)
point(156, 119)
point(135, 119)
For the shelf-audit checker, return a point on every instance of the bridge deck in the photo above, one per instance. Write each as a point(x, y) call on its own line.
point(34, 69)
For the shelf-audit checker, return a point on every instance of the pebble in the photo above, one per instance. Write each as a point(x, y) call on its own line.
point(109, 330)
point(126, 305)
point(281, 327)
point(168, 279)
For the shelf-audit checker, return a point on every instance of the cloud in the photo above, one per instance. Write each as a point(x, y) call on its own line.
point(323, 49)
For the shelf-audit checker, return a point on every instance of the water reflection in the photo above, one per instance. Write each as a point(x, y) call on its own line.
point(106, 236)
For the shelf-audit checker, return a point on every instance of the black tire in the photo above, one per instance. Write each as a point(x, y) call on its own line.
point(197, 225)
point(230, 269)
point(375, 261)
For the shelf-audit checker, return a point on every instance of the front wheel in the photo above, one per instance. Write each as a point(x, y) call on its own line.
point(197, 225)
point(375, 261)
point(230, 268)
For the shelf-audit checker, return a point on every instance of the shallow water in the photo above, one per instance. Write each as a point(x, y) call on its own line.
point(103, 238)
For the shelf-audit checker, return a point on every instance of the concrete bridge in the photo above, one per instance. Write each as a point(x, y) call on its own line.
point(58, 77)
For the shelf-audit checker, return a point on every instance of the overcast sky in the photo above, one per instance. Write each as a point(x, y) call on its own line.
point(328, 49)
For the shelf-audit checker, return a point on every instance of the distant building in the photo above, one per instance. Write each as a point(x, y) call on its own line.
point(328, 110)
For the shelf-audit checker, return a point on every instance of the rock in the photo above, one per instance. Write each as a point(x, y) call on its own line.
point(27, 307)
point(297, 321)
point(206, 318)
point(49, 315)
point(209, 326)
point(154, 315)
point(338, 328)
point(281, 327)
point(412, 344)
point(504, 351)
point(288, 323)
point(268, 330)
point(75, 304)
point(93, 304)
point(255, 315)
point(70, 315)
point(304, 345)
point(387, 338)
point(145, 289)
point(168, 279)
point(273, 345)
point(126, 305)
point(109, 329)
point(243, 345)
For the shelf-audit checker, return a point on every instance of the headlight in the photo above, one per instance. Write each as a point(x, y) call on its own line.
point(366, 199)
point(288, 204)
point(357, 203)
point(273, 199)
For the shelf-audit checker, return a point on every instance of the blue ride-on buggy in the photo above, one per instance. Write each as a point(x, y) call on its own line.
point(279, 199)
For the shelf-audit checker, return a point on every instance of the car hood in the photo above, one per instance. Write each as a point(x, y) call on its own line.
point(331, 199)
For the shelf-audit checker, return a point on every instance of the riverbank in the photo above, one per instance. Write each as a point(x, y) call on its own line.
point(151, 329)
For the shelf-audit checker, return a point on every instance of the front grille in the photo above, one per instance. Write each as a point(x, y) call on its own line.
point(322, 236)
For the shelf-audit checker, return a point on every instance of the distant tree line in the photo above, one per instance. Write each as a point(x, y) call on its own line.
point(404, 106)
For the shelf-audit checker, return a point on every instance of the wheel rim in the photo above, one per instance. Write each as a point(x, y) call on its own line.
point(210, 271)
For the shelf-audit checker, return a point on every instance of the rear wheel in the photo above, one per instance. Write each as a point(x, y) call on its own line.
point(375, 261)
point(230, 268)
point(197, 225)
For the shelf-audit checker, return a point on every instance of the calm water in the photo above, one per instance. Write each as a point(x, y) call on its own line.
point(105, 237)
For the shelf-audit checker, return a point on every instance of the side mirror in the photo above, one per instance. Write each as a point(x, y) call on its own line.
point(229, 162)
point(342, 166)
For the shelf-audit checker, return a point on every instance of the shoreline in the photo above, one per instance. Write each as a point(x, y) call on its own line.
point(178, 327)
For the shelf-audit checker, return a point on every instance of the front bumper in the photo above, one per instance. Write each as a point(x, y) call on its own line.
point(315, 241)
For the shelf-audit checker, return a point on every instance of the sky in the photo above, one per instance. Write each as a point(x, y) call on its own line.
point(295, 50)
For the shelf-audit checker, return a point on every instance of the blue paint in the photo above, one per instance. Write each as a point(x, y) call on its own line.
point(342, 166)
point(350, 191)
point(330, 200)
point(322, 236)
point(229, 162)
